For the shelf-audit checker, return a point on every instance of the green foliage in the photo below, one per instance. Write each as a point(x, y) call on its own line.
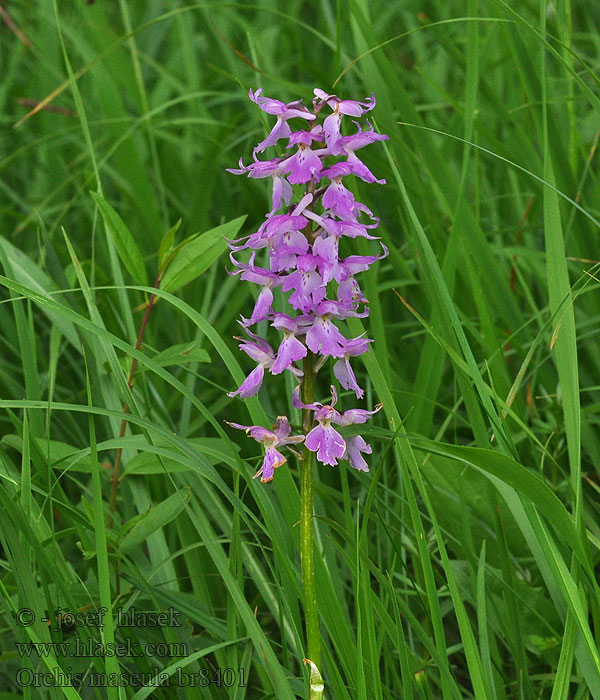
point(126, 247)
point(464, 564)
point(196, 254)
point(167, 247)
point(154, 519)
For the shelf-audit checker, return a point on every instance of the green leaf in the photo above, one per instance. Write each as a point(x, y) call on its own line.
point(212, 450)
point(166, 247)
point(59, 454)
point(197, 254)
point(124, 241)
point(27, 272)
point(158, 516)
point(455, 488)
point(181, 354)
point(525, 482)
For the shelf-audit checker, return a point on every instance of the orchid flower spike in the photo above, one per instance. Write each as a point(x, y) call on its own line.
point(306, 291)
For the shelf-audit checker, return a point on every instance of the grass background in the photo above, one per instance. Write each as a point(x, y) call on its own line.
point(464, 564)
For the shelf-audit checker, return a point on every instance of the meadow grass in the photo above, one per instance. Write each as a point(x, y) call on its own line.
point(464, 564)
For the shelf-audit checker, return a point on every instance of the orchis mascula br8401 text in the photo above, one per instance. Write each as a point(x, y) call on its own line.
point(302, 256)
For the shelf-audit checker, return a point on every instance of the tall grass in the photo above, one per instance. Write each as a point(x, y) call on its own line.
point(465, 563)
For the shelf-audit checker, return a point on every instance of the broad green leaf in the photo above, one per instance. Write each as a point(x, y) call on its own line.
point(124, 241)
point(197, 254)
point(158, 516)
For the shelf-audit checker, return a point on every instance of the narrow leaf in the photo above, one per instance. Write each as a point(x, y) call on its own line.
point(124, 242)
point(158, 516)
point(166, 246)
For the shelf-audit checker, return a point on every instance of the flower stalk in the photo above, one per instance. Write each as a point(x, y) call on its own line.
point(307, 533)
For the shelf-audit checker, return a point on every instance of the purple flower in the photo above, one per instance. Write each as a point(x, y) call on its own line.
point(325, 338)
point(260, 351)
point(291, 349)
point(332, 123)
point(303, 166)
point(354, 446)
point(282, 190)
point(350, 107)
point(284, 112)
point(360, 170)
point(283, 223)
point(267, 279)
point(307, 137)
point(357, 415)
point(338, 310)
point(346, 145)
point(259, 169)
point(343, 370)
point(349, 293)
point(251, 385)
point(286, 246)
point(325, 252)
point(336, 228)
point(307, 284)
point(271, 439)
point(268, 231)
point(324, 439)
point(262, 307)
point(354, 264)
point(337, 198)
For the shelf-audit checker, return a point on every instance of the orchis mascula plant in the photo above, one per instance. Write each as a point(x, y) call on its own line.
point(302, 256)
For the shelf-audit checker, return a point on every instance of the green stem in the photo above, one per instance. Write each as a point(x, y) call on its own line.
point(307, 546)
point(114, 484)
